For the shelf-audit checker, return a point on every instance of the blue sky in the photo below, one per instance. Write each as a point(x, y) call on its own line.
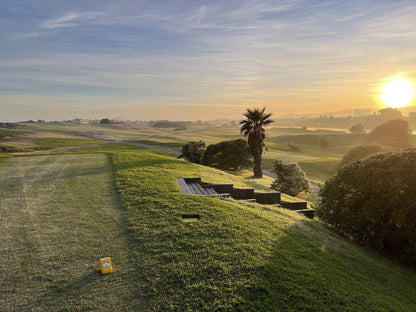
point(199, 59)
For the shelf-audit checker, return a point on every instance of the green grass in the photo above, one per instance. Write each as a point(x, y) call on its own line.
point(338, 144)
point(57, 142)
point(3, 158)
point(237, 257)
point(56, 209)
point(243, 256)
point(59, 216)
point(317, 169)
point(174, 145)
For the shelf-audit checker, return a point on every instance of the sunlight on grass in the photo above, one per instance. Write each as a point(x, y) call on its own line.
point(61, 213)
point(59, 216)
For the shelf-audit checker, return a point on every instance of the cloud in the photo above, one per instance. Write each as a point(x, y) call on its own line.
point(70, 19)
point(64, 21)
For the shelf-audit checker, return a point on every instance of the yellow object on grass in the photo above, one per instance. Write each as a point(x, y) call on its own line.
point(105, 265)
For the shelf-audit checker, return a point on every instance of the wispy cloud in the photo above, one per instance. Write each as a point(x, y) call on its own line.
point(70, 19)
point(67, 20)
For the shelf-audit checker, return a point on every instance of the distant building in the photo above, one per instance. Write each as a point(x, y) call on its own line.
point(80, 121)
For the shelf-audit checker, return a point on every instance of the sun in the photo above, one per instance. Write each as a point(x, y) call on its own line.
point(397, 92)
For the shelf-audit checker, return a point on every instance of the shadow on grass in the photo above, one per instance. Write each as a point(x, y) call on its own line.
point(65, 292)
point(313, 269)
point(80, 283)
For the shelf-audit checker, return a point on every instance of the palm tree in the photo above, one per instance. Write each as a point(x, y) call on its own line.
point(253, 128)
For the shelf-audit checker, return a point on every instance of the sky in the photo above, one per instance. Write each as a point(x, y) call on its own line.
point(190, 59)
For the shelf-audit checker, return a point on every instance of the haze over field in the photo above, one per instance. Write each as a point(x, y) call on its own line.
point(196, 59)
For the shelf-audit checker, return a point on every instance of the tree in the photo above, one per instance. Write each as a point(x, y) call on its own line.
point(394, 133)
point(373, 200)
point(290, 178)
point(361, 152)
point(230, 155)
point(193, 151)
point(105, 121)
point(253, 128)
point(357, 129)
point(390, 113)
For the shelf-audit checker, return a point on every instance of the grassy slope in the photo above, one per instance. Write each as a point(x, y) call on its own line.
point(244, 256)
point(59, 216)
point(238, 256)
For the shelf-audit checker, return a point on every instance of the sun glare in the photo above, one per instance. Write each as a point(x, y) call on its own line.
point(397, 92)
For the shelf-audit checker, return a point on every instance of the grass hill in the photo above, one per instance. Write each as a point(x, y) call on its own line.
point(244, 256)
point(237, 257)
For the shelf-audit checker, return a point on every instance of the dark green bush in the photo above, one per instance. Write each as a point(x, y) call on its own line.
point(374, 200)
point(193, 151)
point(231, 155)
point(105, 121)
point(290, 178)
point(10, 149)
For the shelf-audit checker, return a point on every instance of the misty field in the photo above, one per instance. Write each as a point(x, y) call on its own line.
point(318, 163)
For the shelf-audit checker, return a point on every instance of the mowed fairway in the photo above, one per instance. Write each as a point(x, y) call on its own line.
point(59, 216)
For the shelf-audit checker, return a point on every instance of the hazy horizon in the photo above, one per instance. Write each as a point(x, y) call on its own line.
point(196, 60)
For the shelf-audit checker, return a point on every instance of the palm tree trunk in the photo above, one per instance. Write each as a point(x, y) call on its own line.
point(258, 172)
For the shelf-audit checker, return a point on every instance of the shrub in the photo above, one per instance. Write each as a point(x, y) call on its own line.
point(357, 129)
point(361, 152)
point(394, 133)
point(193, 151)
point(290, 178)
point(105, 121)
point(9, 149)
point(230, 155)
point(374, 200)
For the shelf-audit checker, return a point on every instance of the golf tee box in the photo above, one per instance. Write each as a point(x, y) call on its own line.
point(105, 265)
